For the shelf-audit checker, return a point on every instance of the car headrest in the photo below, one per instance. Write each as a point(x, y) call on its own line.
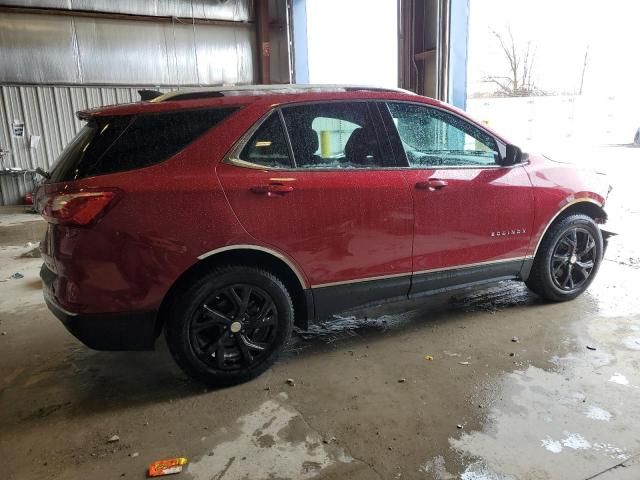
point(308, 139)
point(361, 144)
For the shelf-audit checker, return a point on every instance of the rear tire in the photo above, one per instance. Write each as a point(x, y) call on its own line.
point(230, 326)
point(568, 259)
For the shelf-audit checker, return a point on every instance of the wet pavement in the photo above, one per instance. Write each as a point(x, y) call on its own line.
point(488, 384)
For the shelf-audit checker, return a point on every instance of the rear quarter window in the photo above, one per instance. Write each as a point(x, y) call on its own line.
point(115, 144)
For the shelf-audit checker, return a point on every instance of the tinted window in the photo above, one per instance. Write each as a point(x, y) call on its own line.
point(268, 146)
point(334, 135)
point(432, 138)
point(114, 144)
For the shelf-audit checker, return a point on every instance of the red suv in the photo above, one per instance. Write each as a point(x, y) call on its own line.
point(225, 217)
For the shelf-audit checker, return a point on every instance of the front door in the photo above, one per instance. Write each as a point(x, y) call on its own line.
point(473, 217)
point(316, 182)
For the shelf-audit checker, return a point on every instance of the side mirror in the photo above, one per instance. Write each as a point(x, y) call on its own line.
point(512, 156)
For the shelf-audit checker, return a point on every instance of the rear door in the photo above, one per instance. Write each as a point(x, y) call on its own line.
point(473, 217)
point(319, 184)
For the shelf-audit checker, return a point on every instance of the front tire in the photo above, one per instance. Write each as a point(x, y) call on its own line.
point(568, 259)
point(230, 326)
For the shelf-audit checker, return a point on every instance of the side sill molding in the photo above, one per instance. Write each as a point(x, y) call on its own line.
point(274, 253)
point(469, 265)
point(358, 280)
point(433, 270)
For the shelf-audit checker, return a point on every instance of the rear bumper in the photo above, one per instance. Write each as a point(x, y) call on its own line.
point(105, 331)
point(110, 331)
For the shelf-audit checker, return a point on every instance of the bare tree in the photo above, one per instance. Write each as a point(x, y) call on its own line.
point(520, 63)
point(584, 69)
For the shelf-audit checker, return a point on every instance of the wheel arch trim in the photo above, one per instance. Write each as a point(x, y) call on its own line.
point(570, 203)
point(298, 273)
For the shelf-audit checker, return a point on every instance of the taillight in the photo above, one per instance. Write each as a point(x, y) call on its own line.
point(77, 208)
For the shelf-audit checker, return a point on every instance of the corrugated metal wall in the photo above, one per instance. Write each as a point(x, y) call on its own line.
point(235, 10)
point(54, 63)
point(37, 48)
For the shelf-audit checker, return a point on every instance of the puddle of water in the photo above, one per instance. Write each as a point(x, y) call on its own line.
point(578, 417)
point(479, 471)
point(494, 298)
point(554, 446)
point(614, 291)
point(610, 450)
point(436, 467)
point(437, 470)
point(619, 379)
point(489, 299)
point(555, 424)
point(597, 413)
point(341, 328)
point(632, 343)
point(575, 441)
point(273, 441)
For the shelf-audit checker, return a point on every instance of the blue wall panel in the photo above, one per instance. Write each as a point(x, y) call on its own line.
point(300, 41)
point(459, 38)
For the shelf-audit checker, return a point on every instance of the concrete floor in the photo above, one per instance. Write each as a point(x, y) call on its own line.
point(367, 402)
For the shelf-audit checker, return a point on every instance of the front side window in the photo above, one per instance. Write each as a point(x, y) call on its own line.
point(339, 135)
point(433, 138)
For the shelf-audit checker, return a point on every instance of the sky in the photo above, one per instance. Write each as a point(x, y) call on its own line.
point(353, 41)
point(561, 31)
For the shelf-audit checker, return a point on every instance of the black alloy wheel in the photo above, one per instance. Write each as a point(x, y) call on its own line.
point(229, 325)
point(567, 259)
point(573, 259)
point(235, 327)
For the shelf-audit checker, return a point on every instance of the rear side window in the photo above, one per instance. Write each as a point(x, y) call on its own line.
point(268, 146)
point(336, 135)
point(120, 143)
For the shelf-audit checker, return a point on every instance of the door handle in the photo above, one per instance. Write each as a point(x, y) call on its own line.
point(272, 189)
point(432, 184)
